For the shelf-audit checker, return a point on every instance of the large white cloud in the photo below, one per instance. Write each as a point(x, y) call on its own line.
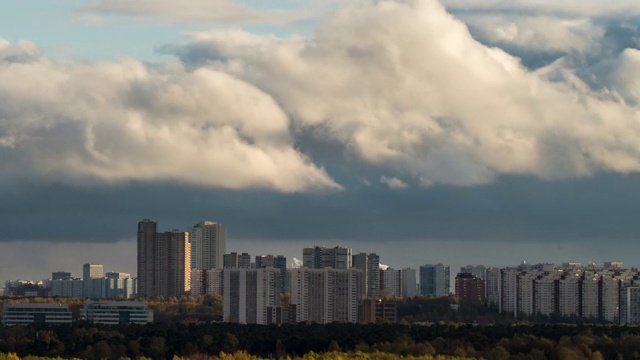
point(118, 121)
point(405, 86)
point(401, 85)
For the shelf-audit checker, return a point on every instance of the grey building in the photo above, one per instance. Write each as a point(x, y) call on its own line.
point(25, 314)
point(117, 312)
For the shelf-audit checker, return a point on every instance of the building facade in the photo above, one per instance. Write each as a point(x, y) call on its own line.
point(322, 257)
point(164, 261)
point(208, 245)
point(630, 305)
point(434, 280)
point(71, 287)
point(26, 314)
point(326, 295)
point(205, 282)
point(470, 287)
point(250, 294)
point(117, 312)
point(369, 264)
point(91, 271)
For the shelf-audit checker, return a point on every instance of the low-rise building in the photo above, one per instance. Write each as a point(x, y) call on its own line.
point(117, 312)
point(29, 313)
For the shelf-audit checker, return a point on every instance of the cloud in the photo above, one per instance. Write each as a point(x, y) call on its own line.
point(541, 31)
point(393, 182)
point(121, 121)
point(406, 87)
point(536, 33)
point(205, 11)
point(567, 8)
point(23, 51)
point(400, 87)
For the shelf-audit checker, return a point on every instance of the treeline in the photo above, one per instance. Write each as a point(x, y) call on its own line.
point(201, 341)
point(243, 355)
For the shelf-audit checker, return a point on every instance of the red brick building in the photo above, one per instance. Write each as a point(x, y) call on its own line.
point(469, 286)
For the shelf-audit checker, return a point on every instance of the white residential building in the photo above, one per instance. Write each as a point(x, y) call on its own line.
point(71, 287)
point(590, 295)
point(208, 245)
point(509, 290)
point(545, 295)
point(326, 295)
point(248, 293)
point(569, 295)
point(610, 298)
point(525, 293)
point(630, 305)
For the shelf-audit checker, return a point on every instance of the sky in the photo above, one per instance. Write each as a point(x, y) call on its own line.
point(456, 132)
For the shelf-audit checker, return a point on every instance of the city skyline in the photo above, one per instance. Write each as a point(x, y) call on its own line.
point(317, 256)
point(452, 132)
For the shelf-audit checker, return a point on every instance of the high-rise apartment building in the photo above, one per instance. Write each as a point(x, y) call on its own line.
point(398, 282)
point(630, 305)
point(67, 288)
point(280, 263)
point(492, 285)
point(91, 271)
point(370, 266)
point(408, 282)
point(591, 292)
point(164, 261)
point(545, 295)
point(206, 282)
point(230, 261)
point(322, 257)
point(263, 261)
point(470, 287)
point(147, 230)
point(208, 245)
point(236, 261)
point(434, 280)
point(391, 282)
point(326, 295)
point(249, 294)
point(244, 261)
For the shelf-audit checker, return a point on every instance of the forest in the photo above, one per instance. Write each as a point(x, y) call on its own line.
point(158, 341)
point(429, 328)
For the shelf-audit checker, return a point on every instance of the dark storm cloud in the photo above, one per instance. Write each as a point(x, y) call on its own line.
point(517, 209)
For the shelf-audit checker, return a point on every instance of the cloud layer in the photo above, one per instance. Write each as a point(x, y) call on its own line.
point(404, 87)
point(205, 11)
point(126, 121)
